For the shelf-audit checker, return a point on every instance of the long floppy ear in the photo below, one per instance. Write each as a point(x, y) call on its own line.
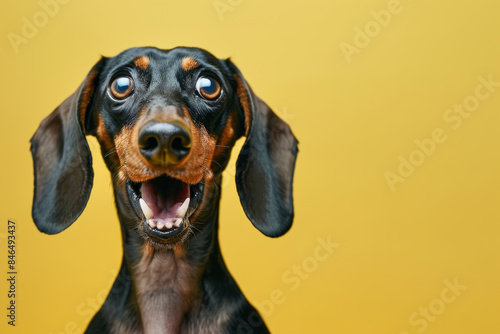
point(62, 162)
point(266, 163)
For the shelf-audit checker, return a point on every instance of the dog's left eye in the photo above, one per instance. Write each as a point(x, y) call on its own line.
point(208, 87)
point(121, 87)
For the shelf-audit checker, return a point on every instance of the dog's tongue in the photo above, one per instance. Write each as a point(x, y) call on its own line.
point(164, 201)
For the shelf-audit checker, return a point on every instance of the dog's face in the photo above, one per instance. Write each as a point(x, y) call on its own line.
point(166, 121)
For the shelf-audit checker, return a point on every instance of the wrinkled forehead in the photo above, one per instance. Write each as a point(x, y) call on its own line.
point(164, 61)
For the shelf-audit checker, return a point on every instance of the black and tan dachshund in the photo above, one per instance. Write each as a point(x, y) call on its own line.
point(166, 121)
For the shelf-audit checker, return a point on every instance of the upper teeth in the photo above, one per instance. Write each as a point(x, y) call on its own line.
point(148, 213)
point(168, 223)
point(181, 211)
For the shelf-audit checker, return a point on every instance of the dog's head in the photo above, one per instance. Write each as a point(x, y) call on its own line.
point(166, 121)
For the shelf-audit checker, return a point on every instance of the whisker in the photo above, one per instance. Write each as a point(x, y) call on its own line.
point(212, 188)
point(204, 166)
point(221, 148)
point(115, 174)
point(214, 161)
point(221, 153)
point(208, 171)
point(194, 227)
point(111, 152)
point(115, 164)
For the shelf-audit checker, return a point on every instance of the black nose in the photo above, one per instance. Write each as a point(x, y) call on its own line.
point(164, 143)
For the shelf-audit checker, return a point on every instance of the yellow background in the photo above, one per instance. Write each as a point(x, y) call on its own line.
point(353, 119)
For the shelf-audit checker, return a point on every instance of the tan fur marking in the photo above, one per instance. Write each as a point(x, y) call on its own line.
point(131, 159)
point(189, 63)
point(245, 102)
point(166, 286)
point(228, 133)
point(108, 149)
point(225, 142)
point(87, 93)
point(179, 251)
point(122, 143)
point(122, 176)
point(207, 195)
point(142, 62)
point(103, 136)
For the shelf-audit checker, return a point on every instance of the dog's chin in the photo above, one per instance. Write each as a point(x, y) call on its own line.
point(164, 206)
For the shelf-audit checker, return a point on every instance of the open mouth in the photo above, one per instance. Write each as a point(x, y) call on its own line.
point(165, 205)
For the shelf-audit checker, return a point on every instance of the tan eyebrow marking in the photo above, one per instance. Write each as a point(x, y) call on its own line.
point(188, 63)
point(142, 62)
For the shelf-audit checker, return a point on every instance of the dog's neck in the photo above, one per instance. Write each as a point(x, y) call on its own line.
point(166, 283)
point(166, 287)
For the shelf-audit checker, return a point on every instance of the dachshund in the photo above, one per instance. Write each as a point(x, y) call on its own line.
point(166, 122)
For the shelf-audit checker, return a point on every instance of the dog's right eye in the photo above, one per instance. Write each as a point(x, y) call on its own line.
point(121, 87)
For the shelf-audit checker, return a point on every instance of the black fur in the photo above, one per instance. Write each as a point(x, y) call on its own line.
point(264, 178)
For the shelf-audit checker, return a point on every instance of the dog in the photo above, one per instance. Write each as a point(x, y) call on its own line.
point(166, 122)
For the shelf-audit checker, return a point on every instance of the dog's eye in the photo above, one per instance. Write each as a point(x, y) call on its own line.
point(121, 87)
point(208, 87)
